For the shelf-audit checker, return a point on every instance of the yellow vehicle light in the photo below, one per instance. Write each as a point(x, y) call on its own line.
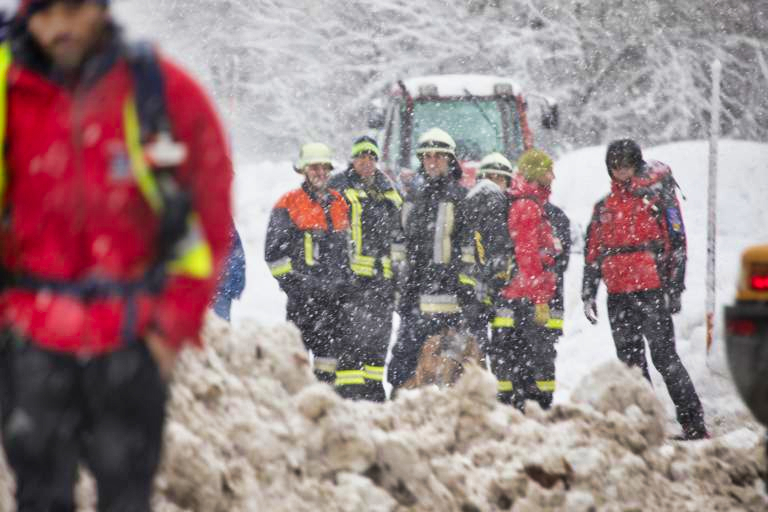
point(753, 283)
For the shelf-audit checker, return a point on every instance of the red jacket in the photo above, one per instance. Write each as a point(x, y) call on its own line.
point(625, 239)
point(534, 244)
point(75, 211)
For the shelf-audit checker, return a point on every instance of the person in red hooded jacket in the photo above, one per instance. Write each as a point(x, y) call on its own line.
point(96, 304)
point(629, 247)
point(522, 354)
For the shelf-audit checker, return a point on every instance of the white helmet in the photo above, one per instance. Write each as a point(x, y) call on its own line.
point(314, 153)
point(436, 140)
point(496, 163)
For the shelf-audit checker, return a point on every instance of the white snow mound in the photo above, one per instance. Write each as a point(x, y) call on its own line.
point(250, 429)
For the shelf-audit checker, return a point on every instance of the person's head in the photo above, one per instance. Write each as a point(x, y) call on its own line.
point(67, 31)
point(535, 166)
point(623, 159)
point(497, 168)
point(315, 164)
point(437, 153)
point(365, 155)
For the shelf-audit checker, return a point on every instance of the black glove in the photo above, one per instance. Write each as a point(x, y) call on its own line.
point(673, 302)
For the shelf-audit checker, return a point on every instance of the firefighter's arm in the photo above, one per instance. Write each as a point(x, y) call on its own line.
point(592, 272)
point(468, 272)
point(207, 176)
point(279, 247)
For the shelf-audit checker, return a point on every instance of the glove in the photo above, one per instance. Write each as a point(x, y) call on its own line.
point(590, 310)
point(541, 314)
point(673, 302)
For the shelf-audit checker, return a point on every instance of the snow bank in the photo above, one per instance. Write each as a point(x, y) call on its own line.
point(250, 429)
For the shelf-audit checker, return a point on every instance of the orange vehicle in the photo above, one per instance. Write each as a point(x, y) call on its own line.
point(746, 332)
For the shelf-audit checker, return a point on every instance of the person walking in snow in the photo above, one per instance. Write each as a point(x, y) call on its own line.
point(116, 205)
point(438, 244)
point(232, 279)
point(629, 247)
point(523, 355)
point(306, 251)
point(487, 206)
point(374, 218)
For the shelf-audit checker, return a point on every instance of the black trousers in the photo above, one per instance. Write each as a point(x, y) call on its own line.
point(522, 355)
point(413, 333)
point(57, 411)
point(642, 316)
point(362, 352)
point(323, 325)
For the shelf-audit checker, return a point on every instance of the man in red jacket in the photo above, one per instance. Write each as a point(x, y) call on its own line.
point(96, 303)
point(628, 246)
point(522, 354)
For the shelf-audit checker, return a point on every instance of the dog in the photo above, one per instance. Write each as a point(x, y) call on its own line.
point(442, 359)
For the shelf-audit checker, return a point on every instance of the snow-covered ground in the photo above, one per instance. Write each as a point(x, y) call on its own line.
point(582, 180)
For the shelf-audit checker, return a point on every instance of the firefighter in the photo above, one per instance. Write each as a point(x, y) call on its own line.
point(628, 247)
point(523, 356)
point(306, 251)
point(487, 207)
point(438, 245)
point(116, 222)
point(561, 231)
point(374, 218)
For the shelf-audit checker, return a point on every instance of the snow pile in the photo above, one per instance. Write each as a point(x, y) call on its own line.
point(250, 429)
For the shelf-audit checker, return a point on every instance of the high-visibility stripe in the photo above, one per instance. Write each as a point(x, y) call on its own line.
point(386, 267)
point(393, 196)
point(350, 378)
point(309, 251)
point(281, 267)
point(546, 385)
point(445, 304)
point(468, 254)
point(375, 373)
point(480, 247)
point(5, 64)
point(555, 324)
point(398, 252)
point(443, 232)
point(501, 322)
point(195, 258)
point(504, 386)
point(466, 280)
point(356, 222)
point(326, 364)
point(145, 179)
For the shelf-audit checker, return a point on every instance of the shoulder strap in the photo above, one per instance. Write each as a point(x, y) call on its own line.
point(149, 87)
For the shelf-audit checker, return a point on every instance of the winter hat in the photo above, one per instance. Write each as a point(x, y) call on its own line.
point(313, 153)
point(30, 7)
point(534, 164)
point(623, 153)
point(436, 140)
point(365, 145)
point(495, 163)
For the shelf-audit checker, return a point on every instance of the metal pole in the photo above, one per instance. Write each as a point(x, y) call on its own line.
point(714, 134)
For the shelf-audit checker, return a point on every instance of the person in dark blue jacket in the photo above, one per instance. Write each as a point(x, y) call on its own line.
point(232, 279)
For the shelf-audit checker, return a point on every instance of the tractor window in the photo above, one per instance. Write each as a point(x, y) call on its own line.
point(475, 125)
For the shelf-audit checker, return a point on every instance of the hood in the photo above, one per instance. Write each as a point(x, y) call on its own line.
point(522, 188)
